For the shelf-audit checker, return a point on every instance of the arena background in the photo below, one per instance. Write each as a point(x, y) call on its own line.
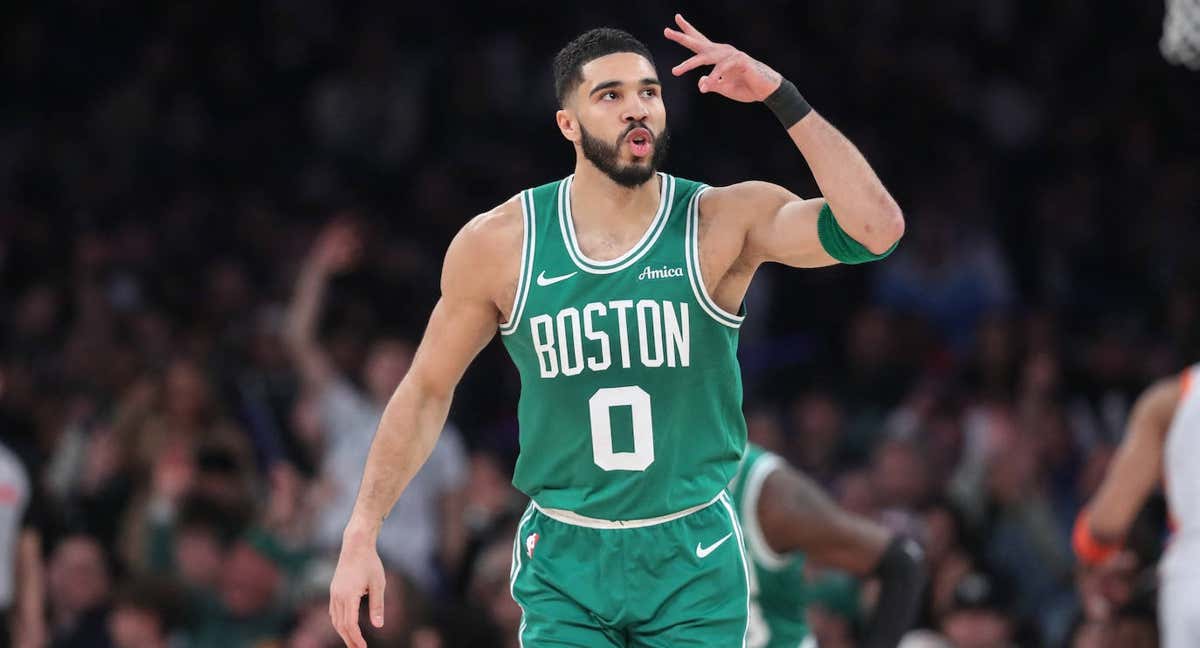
point(165, 168)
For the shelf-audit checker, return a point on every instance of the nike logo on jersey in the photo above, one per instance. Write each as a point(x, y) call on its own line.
point(702, 551)
point(543, 280)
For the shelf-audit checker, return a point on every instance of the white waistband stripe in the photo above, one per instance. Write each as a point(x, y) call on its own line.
point(571, 517)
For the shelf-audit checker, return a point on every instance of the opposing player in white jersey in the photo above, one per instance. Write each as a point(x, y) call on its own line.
point(1162, 442)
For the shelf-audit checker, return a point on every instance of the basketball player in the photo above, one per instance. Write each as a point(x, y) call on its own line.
point(1165, 422)
point(617, 291)
point(786, 519)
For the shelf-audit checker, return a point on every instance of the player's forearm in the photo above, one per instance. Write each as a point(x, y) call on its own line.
point(849, 543)
point(861, 204)
point(408, 431)
point(1122, 494)
point(1136, 469)
point(300, 331)
point(1112, 513)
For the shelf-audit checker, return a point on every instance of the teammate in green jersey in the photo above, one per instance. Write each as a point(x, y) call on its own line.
point(618, 292)
point(787, 519)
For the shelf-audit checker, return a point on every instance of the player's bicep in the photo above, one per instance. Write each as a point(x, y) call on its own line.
point(783, 227)
point(457, 331)
point(464, 319)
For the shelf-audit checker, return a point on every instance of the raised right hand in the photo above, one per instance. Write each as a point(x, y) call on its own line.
point(338, 246)
point(359, 571)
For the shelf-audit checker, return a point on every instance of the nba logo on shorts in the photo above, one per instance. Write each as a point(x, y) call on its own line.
point(530, 542)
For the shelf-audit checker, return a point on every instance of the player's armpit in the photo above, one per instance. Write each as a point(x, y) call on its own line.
point(779, 226)
point(796, 515)
point(1137, 467)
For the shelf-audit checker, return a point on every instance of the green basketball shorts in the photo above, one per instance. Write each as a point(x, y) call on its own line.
point(676, 581)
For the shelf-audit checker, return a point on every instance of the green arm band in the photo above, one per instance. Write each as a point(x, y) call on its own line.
point(840, 245)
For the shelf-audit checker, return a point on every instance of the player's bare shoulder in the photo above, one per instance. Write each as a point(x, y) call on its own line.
point(484, 259)
point(726, 217)
point(744, 203)
point(768, 222)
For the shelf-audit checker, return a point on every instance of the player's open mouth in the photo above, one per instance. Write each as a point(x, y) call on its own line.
point(640, 141)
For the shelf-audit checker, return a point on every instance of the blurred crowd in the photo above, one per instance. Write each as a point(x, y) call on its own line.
point(221, 228)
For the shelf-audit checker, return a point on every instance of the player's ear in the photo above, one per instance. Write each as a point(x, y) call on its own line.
point(568, 125)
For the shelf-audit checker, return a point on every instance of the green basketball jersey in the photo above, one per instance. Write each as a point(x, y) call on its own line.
point(778, 594)
point(631, 394)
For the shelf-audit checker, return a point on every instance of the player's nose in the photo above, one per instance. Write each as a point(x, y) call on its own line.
point(636, 111)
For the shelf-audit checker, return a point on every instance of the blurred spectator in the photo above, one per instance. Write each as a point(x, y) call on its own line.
point(426, 526)
point(1027, 542)
point(978, 616)
point(949, 273)
point(201, 536)
point(1135, 627)
point(490, 497)
point(144, 614)
point(1133, 624)
point(175, 447)
point(489, 593)
point(900, 475)
point(875, 376)
point(79, 588)
point(924, 639)
point(309, 625)
point(764, 428)
point(833, 612)
point(312, 627)
point(176, 415)
point(856, 493)
point(1116, 604)
point(947, 555)
point(1106, 386)
point(250, 602)
point(817, 433)
point(405, 620)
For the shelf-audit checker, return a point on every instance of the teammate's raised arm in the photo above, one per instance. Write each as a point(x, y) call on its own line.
point(464, 320)
point(857, 220)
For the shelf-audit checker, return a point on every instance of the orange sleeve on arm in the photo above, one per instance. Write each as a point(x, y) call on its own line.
point(1088, 549)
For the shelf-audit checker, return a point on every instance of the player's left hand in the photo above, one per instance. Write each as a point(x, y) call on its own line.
point(735, 74)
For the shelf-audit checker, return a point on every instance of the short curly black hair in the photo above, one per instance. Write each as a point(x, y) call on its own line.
point(590, 45)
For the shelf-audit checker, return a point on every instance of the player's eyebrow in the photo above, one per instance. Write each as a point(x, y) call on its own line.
point(605, 85)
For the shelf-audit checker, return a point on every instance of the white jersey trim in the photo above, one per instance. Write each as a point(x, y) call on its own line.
point(528, 239)
point(755, 538)
point(567, 224)
point(695, 275)
point(573, 518)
